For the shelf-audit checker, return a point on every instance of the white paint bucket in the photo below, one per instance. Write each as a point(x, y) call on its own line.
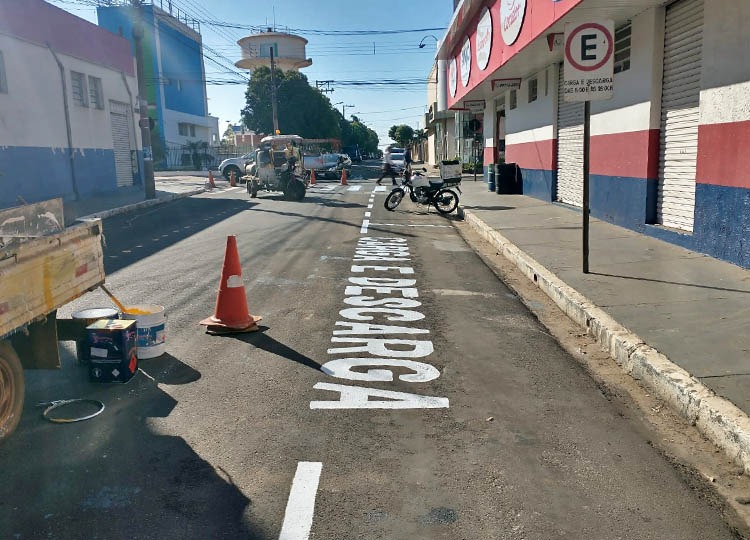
point(151, 322)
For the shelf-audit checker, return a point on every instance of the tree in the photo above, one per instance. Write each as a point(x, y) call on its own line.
point(402, 134)
point(302, 109)
point(198, 151)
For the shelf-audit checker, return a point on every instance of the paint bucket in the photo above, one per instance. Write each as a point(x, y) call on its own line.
point(151, 321)
point(88, 316)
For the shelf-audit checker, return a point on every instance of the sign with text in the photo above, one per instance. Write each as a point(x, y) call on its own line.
point(501, 85)
point(589, 61)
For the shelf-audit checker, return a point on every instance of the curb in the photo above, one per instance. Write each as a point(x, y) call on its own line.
point(717, 418)
point(143, 204)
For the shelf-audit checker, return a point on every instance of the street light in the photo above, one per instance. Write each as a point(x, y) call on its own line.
point(422, 43)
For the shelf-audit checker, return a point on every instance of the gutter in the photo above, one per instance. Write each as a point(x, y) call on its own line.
point(67, 123)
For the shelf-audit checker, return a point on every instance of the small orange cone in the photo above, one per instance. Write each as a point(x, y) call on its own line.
point(312, 177)
point(231, 314)
point(211, 180)
point(343, 177)
point(232, 180)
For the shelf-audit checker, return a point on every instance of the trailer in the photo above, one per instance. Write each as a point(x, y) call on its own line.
point(43, 266)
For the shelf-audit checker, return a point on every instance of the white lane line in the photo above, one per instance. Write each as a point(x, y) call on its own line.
point(378, 189)
point(354, 188)
point(300, 507)
point(408, 225)
point(365, 224)
point(367, 214)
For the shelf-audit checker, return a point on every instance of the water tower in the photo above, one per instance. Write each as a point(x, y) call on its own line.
point(287, 50)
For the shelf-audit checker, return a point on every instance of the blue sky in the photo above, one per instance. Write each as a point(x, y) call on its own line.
point(335, 57)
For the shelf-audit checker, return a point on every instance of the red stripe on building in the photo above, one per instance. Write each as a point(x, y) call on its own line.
point(722, 154)
point(539, 155)
point(634, 154)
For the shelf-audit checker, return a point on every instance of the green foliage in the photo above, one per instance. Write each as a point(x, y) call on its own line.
point(355, 132)
point(403, 134)
point(302, 109)
point(198, 151)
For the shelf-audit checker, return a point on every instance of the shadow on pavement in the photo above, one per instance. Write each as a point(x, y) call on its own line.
point(134, 236)
point(117, 475)
point(265, 342)
point(711, 287)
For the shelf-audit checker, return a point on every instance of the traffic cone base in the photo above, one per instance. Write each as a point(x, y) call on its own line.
point(343, 177)
point(219, 329)
point(231, 313)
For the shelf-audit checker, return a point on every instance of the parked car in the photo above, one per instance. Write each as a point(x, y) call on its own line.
point(237, 165)
point(353, 153)
point(397, 161)
point(328, 165)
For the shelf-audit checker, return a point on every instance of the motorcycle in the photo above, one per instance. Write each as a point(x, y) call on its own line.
point(439, 194)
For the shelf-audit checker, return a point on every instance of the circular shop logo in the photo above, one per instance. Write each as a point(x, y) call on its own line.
point(484, 39)
point(452, 77)
point(511, 19)
point(465, 62)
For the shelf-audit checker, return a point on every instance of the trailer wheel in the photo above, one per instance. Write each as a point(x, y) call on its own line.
point(11, 390)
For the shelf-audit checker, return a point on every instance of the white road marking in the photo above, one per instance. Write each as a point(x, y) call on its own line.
point(369, 206)
point(367, 214)
point(379, 189)
point(300, 507)
point(365, 224)
point(354, 188)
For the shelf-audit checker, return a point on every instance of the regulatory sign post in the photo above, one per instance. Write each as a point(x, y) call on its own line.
point(588, 76)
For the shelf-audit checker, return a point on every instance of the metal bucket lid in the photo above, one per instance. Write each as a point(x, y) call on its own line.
point(96, 313)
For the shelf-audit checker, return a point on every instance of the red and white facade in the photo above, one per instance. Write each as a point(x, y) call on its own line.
point(666, 151)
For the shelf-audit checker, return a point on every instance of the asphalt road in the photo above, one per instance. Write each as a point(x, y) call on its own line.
point(488, 430)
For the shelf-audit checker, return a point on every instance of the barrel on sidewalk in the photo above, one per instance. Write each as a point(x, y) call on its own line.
point(508, 179)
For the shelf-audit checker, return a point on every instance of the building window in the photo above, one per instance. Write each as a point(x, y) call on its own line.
point(95, 92)
point(265, 50)
point(78, 83)
point(532, 89)
point(622, 47)
point(192, 130)
point(512, 102)
point(185, 129)
point(3, 78)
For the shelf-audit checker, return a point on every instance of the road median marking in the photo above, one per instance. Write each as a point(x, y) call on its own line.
point(300, 506)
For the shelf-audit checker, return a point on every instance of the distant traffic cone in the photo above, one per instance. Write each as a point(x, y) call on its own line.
point(211, 184)
point(343, 177)
point(232, 180)
point(312, 178)
point(231, 314)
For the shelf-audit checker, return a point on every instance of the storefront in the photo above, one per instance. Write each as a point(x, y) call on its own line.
point(665, 151)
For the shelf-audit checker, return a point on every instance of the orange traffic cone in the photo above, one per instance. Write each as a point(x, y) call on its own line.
point(343, 177)
point(211, 184)
point(232, 180)
point(312, 177)
point(231, 314)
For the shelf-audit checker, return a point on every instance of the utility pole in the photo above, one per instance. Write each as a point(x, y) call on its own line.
point(343, 110)
point(273, 96)
point(148, 157)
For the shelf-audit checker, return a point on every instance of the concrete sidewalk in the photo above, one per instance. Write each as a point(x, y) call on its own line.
point(676, 319)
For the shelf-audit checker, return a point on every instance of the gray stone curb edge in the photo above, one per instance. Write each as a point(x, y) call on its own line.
point(142, 204)
point(717, 418)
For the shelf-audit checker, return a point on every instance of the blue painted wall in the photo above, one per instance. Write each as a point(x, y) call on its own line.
point(627, 202)
point(181, 60)
point(539, 183)
point(36, 174)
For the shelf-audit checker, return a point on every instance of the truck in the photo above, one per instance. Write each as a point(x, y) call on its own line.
point(43, 266)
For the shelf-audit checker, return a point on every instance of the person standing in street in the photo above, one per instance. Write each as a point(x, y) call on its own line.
point(387, 167)
point(407, 161)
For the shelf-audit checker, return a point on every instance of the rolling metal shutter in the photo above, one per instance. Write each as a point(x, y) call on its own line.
point(680, 110)
point(569, 149)
point(120, 117)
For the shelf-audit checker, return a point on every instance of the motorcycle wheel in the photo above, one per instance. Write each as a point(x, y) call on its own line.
point(393, 199)
point(445, 201)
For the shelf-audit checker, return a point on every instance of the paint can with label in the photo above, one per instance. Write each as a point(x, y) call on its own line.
point(86, 317)
point(151, 321)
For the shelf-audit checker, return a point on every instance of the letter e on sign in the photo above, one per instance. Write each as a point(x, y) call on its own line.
point(589, 61)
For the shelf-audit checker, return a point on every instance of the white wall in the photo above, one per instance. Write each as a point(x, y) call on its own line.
point(533, 121)
point(32, 113)
point(203, 127)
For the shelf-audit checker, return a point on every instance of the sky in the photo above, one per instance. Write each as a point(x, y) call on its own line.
point(367, 56)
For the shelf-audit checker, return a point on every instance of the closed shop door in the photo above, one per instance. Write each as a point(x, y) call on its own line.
point(569, 149)
point(120, 119)
point(683, 38)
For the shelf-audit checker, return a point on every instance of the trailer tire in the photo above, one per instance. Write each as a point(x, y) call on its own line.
point(11, 390)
